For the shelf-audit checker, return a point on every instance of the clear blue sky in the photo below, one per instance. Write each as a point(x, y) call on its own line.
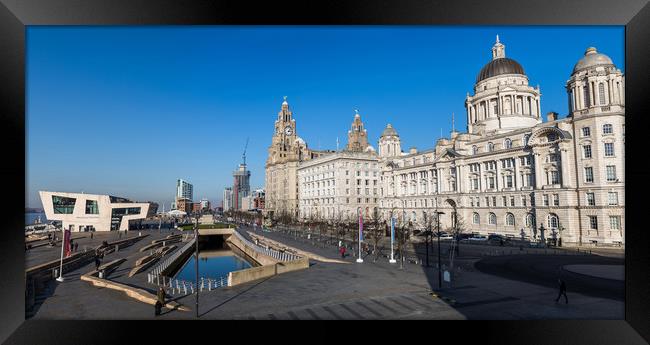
point(128, 110)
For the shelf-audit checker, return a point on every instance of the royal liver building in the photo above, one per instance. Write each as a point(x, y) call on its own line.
point(512, 173)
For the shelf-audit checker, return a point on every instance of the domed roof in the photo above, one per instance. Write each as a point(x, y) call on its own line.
point(300, 141)
point(499, 66)
point(369, 149)
point(389, 130)
point(592, 58)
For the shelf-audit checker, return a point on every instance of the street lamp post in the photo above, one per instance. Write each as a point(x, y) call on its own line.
point(196, 261)
point(392, 238)
point(438, 213)
point(541, 234)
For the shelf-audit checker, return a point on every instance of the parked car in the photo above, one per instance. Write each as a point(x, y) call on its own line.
point(478, 238)
point(446, 237)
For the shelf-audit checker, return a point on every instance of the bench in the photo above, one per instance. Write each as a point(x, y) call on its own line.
point(107, 268)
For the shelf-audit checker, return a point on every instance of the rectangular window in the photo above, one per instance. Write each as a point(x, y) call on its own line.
point(487, 201)
point(475, 183)
point(523, 201)
point(358, 191)
point(63, 205)
point(509, 181)
point(358, 173)
point(615, 222)
point(358, 200)
point(545, 200)
point(91, 207)
point(491, 182)
point(555, 177)
point(589, 174)
point(512, 201)
point(586, 150)
point(593, 222)
point(591, 199)
point(609, 149)
point(607, 128)
point(612, 197)
point(586, 131)
point(494, 201)
point(505, 201)
point(556, 200)
point(611, 173)
point(347, 200)
point(358, 182)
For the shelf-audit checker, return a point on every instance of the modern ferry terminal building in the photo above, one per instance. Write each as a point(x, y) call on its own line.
point(88, 212)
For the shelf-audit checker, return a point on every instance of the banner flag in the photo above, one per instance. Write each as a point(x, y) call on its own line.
point(360, 227)
point(66, 242)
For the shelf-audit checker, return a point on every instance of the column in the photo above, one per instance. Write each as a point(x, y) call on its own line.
point(596, 92)
point(460, 179)
point(538, 109)
point(538, 170)
point(514, 174)
point(497, 184)
point(564, 174)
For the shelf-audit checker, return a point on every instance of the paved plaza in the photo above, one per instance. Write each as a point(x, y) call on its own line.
point(349, 290)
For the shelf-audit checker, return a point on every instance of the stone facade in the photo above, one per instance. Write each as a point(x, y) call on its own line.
point(340, 185)
point(287, 150)
point(510, 173)
point(514, 174)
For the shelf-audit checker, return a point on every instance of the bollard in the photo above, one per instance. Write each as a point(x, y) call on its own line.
point(209, 285)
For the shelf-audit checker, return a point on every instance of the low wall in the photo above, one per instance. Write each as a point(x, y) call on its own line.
point(138, 294)
point(261, 259)
point(255, 273)
point(294, 265)
point(250, 274)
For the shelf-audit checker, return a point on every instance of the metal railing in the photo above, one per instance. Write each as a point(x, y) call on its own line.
point(182, 287)
point(167, 262)
point(278, 255)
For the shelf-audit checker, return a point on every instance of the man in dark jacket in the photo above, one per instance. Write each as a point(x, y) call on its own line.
point(562, 292)
point(161, 300)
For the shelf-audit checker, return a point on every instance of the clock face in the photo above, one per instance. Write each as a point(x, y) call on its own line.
point(288, 130)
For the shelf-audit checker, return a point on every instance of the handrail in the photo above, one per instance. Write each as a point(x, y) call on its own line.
point(167, 262)
point(178, 286)
point(281, 256)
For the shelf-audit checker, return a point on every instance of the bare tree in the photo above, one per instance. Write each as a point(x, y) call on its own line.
point(403, 233)
point(457, 228)
point(375, 232)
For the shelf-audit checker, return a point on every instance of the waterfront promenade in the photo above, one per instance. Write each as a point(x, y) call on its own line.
point(330, 290)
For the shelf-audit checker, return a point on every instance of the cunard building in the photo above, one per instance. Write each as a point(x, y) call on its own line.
point(513, 173)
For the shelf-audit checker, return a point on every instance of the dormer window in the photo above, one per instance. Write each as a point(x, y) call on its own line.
point(490, 147)
point(474, 150)
point(507, 143)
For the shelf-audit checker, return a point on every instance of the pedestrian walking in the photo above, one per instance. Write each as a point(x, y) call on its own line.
point(76, 245)
point(342, 251)
point(562, 291)
point(97, 262)
point(91, 235)
point(161, 300)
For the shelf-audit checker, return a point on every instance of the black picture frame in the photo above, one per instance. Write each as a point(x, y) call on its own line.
point(633, 14)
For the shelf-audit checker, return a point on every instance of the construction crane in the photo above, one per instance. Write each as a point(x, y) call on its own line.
point(245, 147)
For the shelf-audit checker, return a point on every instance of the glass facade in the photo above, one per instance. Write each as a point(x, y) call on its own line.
point(91, 207)
point(118, 213)
point(63, 205)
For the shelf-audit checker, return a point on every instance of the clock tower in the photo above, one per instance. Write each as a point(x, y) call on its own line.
point(284, 147)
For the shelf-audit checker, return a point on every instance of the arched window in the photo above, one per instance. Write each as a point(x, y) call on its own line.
point(492, 219)
point(530, 220)
point(476, 219)
point(490, 147)
point(525, 139)
point(601, 93)
point(507, 143)
point(553, 221)
point(510, 219)
point(587, 95)
point(474, 150)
